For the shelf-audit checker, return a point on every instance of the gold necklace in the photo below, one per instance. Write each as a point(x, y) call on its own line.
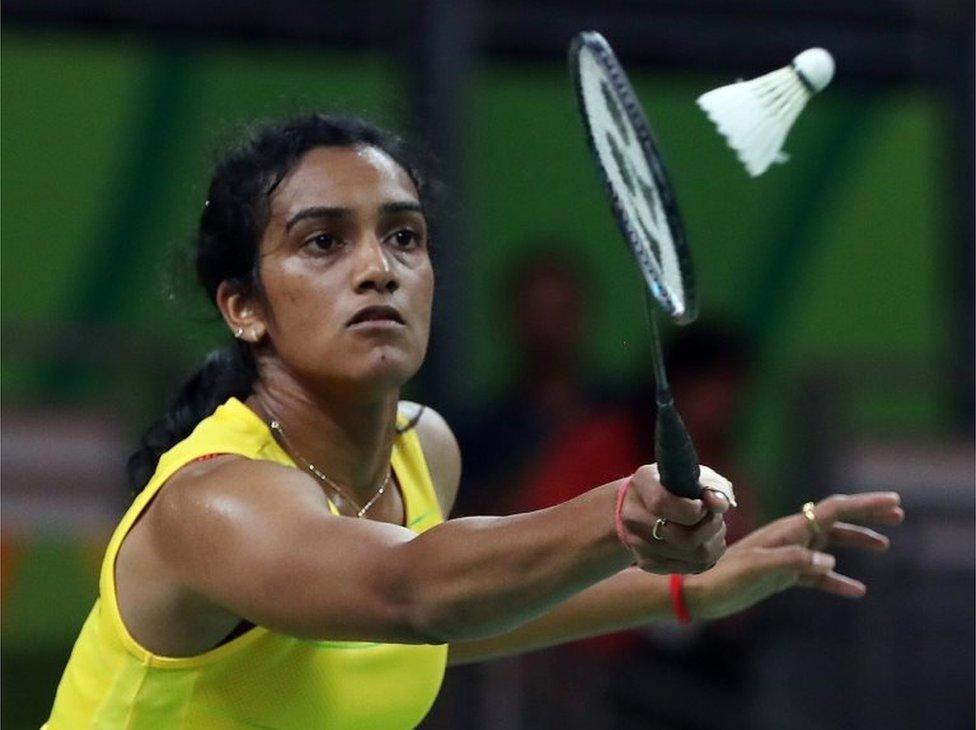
point(275, 426)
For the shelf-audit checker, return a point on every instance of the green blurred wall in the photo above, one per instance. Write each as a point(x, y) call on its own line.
point(106, 147)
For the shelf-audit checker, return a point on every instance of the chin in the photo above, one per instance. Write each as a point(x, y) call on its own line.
point(385, 368)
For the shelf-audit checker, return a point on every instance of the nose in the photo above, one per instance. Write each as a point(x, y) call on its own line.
point(374, 270)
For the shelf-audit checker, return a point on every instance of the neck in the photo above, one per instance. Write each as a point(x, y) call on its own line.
point(350, 440)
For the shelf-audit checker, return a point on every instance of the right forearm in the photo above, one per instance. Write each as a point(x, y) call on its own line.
point(627, 600)
point(481, 576)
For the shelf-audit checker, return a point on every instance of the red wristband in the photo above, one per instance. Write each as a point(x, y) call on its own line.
point(618, 520)
point(676, 585)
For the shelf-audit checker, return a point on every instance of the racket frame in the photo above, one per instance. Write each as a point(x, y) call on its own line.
point(597, 44)
point(677, 461)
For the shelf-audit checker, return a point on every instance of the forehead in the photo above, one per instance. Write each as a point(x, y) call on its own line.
point(342, 177)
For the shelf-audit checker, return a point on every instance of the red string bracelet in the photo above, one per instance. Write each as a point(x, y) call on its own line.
point(676, 585)
point(618, 520)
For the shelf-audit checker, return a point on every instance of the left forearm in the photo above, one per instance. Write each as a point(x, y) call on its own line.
point(629, 599)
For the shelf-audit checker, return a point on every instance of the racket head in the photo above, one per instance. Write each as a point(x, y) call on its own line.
point(630, 165)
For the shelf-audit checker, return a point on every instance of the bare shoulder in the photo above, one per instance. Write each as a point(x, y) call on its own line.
point(221, 500)
point(256, 540)
point(440, 450)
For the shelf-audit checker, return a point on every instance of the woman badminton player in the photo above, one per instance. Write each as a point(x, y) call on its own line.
point(287, 561)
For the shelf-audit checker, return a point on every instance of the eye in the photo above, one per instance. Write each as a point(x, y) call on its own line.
point(405, 238)
point(323, 242)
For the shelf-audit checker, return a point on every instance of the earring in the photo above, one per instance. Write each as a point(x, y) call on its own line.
point(239, 332)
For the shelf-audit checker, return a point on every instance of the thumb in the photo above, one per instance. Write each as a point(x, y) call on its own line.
point(715, 500)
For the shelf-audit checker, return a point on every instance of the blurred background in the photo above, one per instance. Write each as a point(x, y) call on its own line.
point(834, 351)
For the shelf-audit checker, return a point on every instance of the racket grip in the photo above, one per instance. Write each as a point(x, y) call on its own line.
point(677, 462)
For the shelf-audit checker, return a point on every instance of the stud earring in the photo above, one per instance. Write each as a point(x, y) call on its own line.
point(239, 332)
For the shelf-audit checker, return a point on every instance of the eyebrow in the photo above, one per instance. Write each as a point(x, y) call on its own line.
point(319, 211)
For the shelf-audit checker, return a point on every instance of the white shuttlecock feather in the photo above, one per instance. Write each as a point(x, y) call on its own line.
point(755, 116)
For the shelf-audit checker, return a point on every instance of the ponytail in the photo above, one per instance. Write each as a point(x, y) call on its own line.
point(228, 371)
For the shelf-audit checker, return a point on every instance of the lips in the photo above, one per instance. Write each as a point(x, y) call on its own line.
point(376, 314)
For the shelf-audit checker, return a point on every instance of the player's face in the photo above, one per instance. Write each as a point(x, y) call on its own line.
point(345, 270)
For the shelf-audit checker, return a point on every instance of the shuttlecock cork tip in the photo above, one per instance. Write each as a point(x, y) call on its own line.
point(816, 66)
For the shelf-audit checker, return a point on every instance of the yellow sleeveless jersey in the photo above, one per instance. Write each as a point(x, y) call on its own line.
point(260, 679)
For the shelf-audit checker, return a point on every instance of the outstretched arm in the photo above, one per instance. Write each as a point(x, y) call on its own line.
point(258, 539)
point(783, 553)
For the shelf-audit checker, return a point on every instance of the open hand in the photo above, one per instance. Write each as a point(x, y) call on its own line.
point(790, 551)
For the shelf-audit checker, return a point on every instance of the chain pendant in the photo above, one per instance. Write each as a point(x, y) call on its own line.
point(275, 426)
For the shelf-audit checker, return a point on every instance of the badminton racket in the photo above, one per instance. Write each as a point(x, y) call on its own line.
point(644, 205)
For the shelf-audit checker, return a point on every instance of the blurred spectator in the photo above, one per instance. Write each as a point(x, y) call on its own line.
point(553, 436)
point(709, 367)
point(547, 292)
point(667, 669)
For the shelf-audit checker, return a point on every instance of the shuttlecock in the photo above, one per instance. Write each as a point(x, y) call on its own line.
point(755, 116)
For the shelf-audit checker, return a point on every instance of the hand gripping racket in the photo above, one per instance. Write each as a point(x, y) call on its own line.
point(644, 205)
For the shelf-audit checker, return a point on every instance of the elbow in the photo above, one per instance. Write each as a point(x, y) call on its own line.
point(438, 623)
point(423, 618)
point(439, 613)
point(430, 624)
point(431, 608)
point(441, 601)
point(424, 628)
point(415, 609)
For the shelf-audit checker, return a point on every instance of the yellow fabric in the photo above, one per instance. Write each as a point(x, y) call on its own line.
point(261, 679)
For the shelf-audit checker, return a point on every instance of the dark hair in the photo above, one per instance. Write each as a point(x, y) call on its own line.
point(226, 249)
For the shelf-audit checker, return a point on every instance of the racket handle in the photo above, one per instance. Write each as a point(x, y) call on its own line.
point(677, 462)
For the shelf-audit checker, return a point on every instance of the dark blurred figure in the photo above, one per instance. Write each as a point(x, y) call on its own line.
point(548, 298)
point(655, 678)
point(552, 436)
point(502, 445)
point(709, 367)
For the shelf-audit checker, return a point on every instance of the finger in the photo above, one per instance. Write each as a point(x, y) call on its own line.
point(659, 501)
point(690, 538)
point(680, 511)
point(781, 567)
point(796, 558)
point(652, 549)
point(784, 531)
point(705, 548)
point(712, 481)
point(698, 554)
point(839, 585)
point(868, 507)
point(792, 530)
point(881, 515)
point(894, 516)
point(715, 500)
point(843, 534)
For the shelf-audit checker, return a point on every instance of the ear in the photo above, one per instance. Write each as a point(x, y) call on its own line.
point(241, 312)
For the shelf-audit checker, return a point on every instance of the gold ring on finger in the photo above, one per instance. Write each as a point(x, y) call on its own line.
point(656, 532)
point(811, 516)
